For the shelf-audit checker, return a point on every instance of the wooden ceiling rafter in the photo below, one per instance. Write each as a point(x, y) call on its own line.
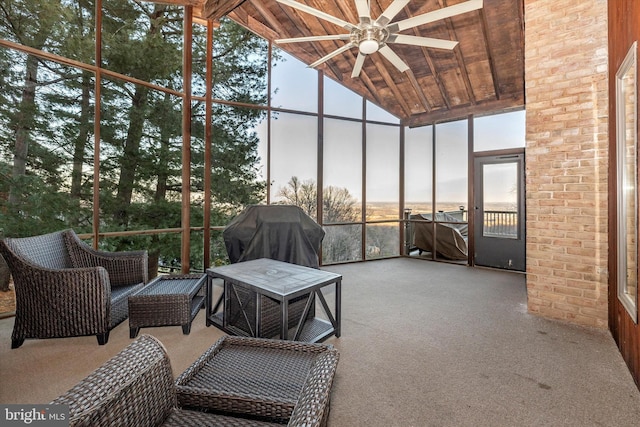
point(437, 116)
point(432, 67)
point(489, 49)
point(416, 86)
point(216, 9)
point(195, 3)
point(464, 74)
point(412, 78)
point(332, 69)
point(372, 90)
point(348, 12)
point(384, 73)
point(268, 16)
point(438, 80)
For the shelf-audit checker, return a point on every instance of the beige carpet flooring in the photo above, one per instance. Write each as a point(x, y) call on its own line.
point(423, 344)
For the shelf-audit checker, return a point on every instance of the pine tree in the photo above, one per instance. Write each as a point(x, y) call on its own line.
point(47, 114)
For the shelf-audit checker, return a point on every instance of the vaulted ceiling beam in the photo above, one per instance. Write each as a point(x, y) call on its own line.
point(416, 86)
point(489, 49)
point(436, 77)
point(481, 108)
point(461, 64)
point(179, 2)
point(216, 9)
point(382, 68)
point(252, 24)
point(271, 19)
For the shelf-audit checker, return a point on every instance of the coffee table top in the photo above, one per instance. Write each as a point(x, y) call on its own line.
point(172, 285)
point(274, 278)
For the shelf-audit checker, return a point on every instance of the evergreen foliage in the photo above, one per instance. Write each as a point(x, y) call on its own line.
point(47, 112)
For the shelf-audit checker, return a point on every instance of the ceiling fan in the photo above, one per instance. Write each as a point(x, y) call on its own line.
point(371, 36)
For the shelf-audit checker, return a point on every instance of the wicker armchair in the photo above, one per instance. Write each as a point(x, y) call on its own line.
point(65, 288)
point(136, 388)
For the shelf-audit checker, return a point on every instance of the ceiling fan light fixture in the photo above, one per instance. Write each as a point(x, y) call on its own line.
point(368, 46)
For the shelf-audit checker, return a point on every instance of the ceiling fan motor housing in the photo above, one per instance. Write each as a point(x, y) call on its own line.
point(369, 38)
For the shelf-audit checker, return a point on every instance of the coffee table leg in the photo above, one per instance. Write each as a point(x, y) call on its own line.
point(338, 307)
point(186, 328)
point(284, 321)
point(208, 301)
point(133, 332)
point(258, 331)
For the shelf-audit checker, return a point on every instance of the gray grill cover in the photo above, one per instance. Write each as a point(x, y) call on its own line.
point(280, 232)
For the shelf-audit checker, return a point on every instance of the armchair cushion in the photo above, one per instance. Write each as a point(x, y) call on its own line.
point(124, 267)
point(44, 251)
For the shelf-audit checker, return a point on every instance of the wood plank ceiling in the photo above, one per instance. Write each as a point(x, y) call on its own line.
point(483, 74)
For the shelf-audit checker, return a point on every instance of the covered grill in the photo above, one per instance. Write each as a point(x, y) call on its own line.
point(280, 232)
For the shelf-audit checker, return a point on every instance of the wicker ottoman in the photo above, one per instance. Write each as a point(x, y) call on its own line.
point(257, 377)
point(166, 301)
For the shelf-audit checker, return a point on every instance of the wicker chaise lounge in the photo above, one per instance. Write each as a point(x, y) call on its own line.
point(65, 288)
point(136, 388)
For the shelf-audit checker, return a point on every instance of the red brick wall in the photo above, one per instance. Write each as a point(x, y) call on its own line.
point(566, 159)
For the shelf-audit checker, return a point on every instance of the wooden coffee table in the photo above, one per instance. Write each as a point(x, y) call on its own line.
point(166, 301)
point(260, 292)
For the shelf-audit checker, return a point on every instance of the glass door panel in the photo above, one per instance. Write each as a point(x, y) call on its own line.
point(499, 225)
point(500, 201)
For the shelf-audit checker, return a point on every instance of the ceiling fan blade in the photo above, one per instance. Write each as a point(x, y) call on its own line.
point(390, 12)
point(436, 15)
point(318, 13)
point(332, 54)
point(393, 58)
point(315, 38)
point(363, 11)
point(357, 67)
point(422, 41)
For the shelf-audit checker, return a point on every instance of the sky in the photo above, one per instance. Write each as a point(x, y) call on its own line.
point(294, 150)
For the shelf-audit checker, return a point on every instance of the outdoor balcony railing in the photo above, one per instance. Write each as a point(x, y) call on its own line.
point(501, 224)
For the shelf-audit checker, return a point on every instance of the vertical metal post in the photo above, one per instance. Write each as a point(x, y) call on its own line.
point(186, 139)
point(407, 232)
point(269, 78)
point(363, 216)
point(434, 193)
point(401, 192)
point(320, 161)
point(96, 125)
point(208, 140)
point(471, 193)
